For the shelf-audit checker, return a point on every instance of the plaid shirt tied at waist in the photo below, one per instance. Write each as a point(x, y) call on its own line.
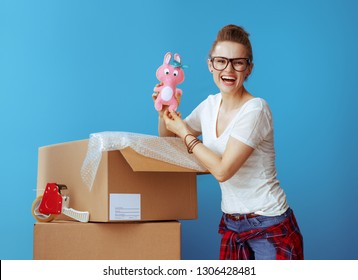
point(285, 237)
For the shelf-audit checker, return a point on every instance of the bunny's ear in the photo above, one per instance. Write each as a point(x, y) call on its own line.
point(177, 58)
point(167, 57)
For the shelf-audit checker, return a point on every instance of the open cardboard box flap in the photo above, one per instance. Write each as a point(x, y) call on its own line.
point(139, 162)
point(135, 160)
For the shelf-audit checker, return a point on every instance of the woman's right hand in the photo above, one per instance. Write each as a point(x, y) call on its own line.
point(155, 95)
point(161, 112)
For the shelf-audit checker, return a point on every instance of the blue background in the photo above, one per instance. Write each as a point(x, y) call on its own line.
point(71, 68)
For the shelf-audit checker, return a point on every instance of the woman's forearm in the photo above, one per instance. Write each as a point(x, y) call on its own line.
point(221, 167)
point(209, 159)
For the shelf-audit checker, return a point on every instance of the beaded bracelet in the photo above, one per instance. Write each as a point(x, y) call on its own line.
point(192, 143)
point(189, 134)
point(190, 149)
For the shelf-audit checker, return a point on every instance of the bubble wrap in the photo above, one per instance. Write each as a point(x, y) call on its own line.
point(168, 149)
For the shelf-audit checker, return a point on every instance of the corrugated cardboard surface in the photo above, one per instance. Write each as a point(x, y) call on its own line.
point(169, 194)
point(66, 240)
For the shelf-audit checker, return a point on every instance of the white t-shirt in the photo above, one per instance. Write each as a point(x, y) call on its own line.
point(254, 187)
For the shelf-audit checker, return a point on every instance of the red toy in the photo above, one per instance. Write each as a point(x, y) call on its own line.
point(52, 203)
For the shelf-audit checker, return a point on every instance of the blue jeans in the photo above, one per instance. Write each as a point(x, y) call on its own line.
point(262, 248)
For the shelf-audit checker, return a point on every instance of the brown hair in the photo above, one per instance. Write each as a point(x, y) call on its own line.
point(234, 33)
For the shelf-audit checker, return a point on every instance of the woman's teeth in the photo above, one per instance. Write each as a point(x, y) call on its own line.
point(228, 79)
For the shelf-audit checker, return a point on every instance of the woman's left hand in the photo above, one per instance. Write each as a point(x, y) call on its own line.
point(175, 124)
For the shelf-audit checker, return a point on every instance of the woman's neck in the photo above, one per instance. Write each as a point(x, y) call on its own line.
point(233, 101)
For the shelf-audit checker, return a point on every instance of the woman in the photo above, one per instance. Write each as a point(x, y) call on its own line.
point(238, 150)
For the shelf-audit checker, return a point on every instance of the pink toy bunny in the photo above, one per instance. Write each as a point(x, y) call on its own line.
point(169, 75)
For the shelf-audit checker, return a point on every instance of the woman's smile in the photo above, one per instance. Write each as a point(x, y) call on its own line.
point(228, 80)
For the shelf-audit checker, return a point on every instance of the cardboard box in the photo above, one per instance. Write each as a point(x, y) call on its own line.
point(128, 186)
point(66, 240)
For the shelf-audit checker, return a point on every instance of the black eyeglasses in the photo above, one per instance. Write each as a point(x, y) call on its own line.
point(239, 64)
